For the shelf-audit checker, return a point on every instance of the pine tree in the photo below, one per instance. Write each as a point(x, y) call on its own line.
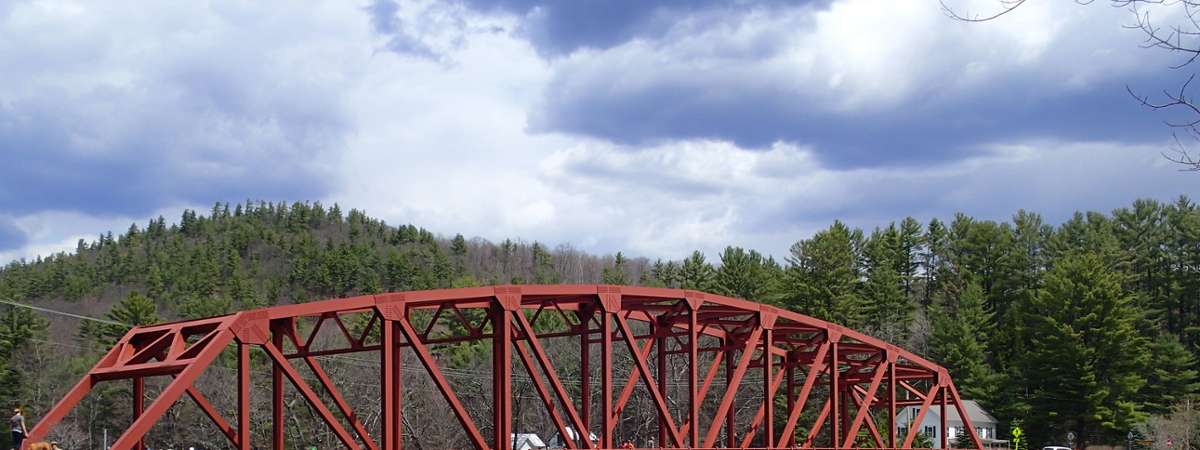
point(543, 266)
point(886, 305)
point(958, 342)
point(933, 255)
point(616, 273)
point(696, 273)
point(136, 309)
point(745, 274)
point(1171, 377)
point(1086, 361)
point(823, 275)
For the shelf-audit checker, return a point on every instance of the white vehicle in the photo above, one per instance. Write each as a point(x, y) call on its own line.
point(1055, 447)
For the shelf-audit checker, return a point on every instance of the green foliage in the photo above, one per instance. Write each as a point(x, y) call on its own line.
point(696, 273)
point(958, 343)
point(823, 276)
point(1086, 356)
point(746, 274)
point(616, 273)
point(1084, 326)
point(136, 309)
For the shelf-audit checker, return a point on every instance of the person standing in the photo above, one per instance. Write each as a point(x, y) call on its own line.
point(17, 424)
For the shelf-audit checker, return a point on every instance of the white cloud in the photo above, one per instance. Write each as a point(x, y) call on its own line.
point(445, 142)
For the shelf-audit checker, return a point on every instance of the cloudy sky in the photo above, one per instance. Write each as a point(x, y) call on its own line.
point(652, 127)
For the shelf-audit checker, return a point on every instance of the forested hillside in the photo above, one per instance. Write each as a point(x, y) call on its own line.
point(1091, 326)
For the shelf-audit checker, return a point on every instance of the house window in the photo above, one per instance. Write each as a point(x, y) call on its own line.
point(982, 432)
point(931, 431)
point(951, 432)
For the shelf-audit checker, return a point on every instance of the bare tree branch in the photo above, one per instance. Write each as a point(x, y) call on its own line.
point(1182, 38)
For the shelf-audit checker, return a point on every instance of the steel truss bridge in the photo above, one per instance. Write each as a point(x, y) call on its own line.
point(800, 361)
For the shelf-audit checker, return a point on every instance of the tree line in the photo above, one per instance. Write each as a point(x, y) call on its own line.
point(1091, 326)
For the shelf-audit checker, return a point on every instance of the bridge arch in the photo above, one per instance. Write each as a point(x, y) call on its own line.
point(800, 361)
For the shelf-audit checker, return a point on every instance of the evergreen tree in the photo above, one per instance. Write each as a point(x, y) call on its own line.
point(1086, 361)
point(823, 275)
point(1171, 375)
point(745, 274)
point(887, 307)
point(696, 273)
point(543, 266)
point(933, 256)
point(958, 342)
point(136, 309)
point(616, 273)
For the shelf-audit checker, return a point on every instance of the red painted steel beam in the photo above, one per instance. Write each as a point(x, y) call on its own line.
point(543, 360)
point(312, 397)
point(801, 398)
point(443, 386)
point(176, 388)
point(958, 405)
point(502, 394)
point(851, 360)
point(243, 371)
point(213, 414)
point(659, 401)
point(340, 402)
point(734, 384)
point(912, 428)
point(865, 407)
point(544, 395)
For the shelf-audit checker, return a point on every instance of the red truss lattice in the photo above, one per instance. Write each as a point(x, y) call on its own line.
point(795, 354)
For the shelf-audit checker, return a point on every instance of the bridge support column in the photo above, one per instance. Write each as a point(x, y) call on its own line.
point(139, 406)
point(660, 342)
point(768, 389)
point(730, 418)
point(502, 336)
point(277, 406)
point(585, 369)
point(694, 399)
point(391, 387)
point(835, 394)
point(243, 371)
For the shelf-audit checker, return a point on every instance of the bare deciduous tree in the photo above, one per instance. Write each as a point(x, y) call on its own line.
point(1181, 36)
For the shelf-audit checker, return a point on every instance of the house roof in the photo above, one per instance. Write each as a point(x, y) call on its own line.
point(527, 440)
point(976, 413)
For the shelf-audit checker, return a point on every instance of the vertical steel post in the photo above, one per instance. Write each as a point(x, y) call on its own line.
point(277, 414)
point(243, 370)
point(502, 376)
point(768, 388)
point(790, 362)
point(606, 382)
point(139, 406)
point(397, 423)
point(891, 402)
point(942, 416)
point(387, 382)
point(730, 418)
point(694, 399)
point(660, 343)
point(585, 370)
point(835, 392)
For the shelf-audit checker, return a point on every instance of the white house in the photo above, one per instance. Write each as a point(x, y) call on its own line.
point(527, 441)
point(985, 424)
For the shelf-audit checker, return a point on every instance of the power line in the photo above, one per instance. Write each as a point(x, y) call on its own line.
point(63, 313)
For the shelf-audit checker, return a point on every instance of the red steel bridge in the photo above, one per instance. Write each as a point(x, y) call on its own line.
point(800, 361)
